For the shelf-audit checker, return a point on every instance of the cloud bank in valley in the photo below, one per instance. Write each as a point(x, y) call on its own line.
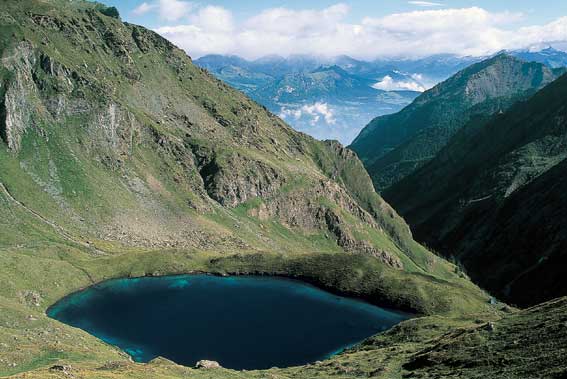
point(390, 84)
point(202, 30)
point(315, 113)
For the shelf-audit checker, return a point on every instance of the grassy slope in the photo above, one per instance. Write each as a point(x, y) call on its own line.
point(394, 146)
point(505, 193)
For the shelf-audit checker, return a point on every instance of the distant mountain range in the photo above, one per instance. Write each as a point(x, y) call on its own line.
point(333, 98)
point(550, 57)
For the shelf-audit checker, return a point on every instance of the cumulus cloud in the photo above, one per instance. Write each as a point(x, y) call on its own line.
point(213, 19)
point(144, 8)
point(554, 32)
point(174, 10)
point(283, 31)
point(316, 112)
point(425, 4)
point(298, 23)
point(168, 10)
point(389, 84)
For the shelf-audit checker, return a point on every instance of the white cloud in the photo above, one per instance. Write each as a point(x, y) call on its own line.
point(553, 33)
point(168, 10)
point(466, 31)
point(298, 23)
point(143, 8)
point(213, 19)
point(389, 84)
point(425, 4)
point(294, 113)
point(313, 112)
point(174, 10)
point(320, 109)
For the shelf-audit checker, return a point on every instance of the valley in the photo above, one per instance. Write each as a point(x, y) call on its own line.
point(121, 160)
point(331, 98)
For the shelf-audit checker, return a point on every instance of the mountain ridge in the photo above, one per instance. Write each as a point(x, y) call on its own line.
point(393, 146)
point(506, 180)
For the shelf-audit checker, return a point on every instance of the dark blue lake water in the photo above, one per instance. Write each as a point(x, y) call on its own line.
point(241, 322)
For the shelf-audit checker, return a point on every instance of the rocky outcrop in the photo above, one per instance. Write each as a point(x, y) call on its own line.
point(303, 208)
point(38, 91)
point(30, 298)
point(313, 209)
point(18, 103)
point(232, 179)
point(345, 239)
point(204, 364)
point(113, 131)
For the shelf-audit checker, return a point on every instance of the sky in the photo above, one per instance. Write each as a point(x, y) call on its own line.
point(363, 29)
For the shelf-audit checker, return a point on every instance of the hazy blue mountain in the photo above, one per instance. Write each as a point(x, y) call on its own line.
point(551, 57)
point(216, 62)
point(328, 102)
point(430, 70)
point(337, 102)
point(328, 98)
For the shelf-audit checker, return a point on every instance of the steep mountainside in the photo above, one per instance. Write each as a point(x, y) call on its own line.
point(119, 157)
point(393, 146)
point(126, 140)
point(495, 198)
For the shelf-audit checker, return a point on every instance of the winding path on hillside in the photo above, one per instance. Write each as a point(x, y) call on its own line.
point(59, 229)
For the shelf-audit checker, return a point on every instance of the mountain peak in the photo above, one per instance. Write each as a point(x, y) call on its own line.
point(334, 68)
point(424, 127)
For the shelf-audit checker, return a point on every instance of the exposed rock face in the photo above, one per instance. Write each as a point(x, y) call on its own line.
point(346, 240)
point(113, 134)
point(204, 364)
point(20, 93)
point(235, 179)
point(304, 208)
point(39, 91)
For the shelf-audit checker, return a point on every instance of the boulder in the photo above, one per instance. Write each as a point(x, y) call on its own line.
point(204, 364)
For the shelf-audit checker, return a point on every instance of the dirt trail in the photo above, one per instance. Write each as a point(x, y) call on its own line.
point(62, 232)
